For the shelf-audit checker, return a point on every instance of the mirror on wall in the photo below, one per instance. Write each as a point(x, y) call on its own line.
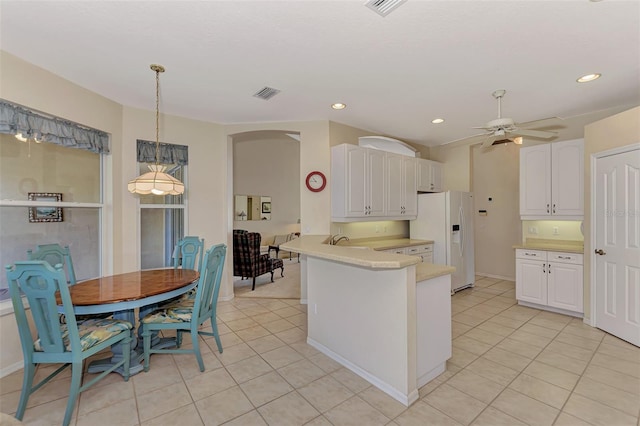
point(252, 207)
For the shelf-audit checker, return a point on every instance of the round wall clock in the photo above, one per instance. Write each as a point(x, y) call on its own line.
point(316, 181)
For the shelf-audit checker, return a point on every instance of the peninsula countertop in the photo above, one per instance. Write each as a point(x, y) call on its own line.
point(566, 246)
point(364, 256)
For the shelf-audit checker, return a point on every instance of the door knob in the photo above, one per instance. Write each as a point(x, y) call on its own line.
point(601, 252)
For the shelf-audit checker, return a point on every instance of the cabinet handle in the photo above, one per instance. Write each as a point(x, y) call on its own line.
point(549, 269)
point(544, 268)
point(547, 208)
point(530, 254)
point(564, 257)
point(554, 208)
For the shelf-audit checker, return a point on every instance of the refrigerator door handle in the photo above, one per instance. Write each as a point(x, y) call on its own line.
point(461, 218)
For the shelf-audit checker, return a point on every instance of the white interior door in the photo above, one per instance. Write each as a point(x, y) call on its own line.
point(617, 245)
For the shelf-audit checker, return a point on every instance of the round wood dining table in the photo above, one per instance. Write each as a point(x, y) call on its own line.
point(121, 294)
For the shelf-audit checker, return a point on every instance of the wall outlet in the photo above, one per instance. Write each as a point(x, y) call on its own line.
point(377, 229)
point(533, 230)
point(339, 229)
point(556, 231)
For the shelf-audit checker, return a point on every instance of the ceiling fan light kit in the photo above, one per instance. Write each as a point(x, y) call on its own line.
point(504, 129)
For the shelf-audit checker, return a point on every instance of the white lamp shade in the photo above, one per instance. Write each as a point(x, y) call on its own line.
point(156, 182)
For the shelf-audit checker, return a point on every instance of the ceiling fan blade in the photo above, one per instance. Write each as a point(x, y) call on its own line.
point(490, 140)
point(545, 122)
point(475, 138)
point(533, 133)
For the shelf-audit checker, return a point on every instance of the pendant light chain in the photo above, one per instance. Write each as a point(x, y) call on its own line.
point(158, 69)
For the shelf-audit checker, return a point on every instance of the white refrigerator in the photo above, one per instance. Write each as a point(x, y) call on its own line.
point(447, 219)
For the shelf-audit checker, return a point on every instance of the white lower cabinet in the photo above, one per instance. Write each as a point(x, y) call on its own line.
point(550, 280)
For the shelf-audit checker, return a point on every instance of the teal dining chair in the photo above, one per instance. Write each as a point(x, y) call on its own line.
point(187, 315)
point(68, 344)
point(55, 254)
point(188, 253)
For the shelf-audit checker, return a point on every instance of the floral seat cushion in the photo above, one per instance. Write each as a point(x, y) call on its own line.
point(91, 332)
point(179, 311)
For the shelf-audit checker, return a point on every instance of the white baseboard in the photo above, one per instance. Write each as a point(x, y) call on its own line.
point(499, 277)
point(435, 372)
point(551, 308)
point(11, 368)
point(226, 298)
point(406, 400)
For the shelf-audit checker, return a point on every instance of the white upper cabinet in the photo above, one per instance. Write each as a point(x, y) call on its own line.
point(357, 176)
point(372, 184)
point(429, 177)
point(402, 200)
point(552, 181)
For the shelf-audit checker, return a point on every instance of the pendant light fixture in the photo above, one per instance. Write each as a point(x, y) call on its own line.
point(156, 181)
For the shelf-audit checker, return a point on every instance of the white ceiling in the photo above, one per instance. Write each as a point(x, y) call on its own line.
point(426, 59)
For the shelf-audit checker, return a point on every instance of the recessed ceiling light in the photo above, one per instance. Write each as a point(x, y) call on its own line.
point(437, 120)
point(338, 105)
point(588, 77)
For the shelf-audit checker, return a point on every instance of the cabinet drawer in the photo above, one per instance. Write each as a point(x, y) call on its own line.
point(400, 250)
point(424, 248)
point(531, 254)
point(555, 256)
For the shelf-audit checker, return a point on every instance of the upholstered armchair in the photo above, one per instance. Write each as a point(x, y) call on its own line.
point(247, 260)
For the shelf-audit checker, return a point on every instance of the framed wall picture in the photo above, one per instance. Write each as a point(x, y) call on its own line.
point(266, 207)
point(45, 214)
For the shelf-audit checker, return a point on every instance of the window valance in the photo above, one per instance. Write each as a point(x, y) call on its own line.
point(168, 153)
point(15, 120)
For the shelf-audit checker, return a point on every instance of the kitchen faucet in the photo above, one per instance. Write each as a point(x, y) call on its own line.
point(335, 241)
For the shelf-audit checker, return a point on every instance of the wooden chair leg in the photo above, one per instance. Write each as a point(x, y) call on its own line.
point(254, 283)
point(214, 328)
point(27, 384)
point(74, 391)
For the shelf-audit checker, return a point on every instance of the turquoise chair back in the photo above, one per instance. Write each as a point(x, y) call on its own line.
point(55, 254)
point(39, 282)
point(188, 253)
point(209, 284)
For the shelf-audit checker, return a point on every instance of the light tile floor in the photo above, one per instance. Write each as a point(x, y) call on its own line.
point(511, 365)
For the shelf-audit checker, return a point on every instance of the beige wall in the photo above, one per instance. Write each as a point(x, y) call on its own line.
point(619, 130)
point(456, 168)
point(381, 229)
point(269, 167)
point(496, 176)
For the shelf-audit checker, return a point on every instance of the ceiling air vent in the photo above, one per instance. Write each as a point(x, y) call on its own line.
point(383, 7)
point(266, 93)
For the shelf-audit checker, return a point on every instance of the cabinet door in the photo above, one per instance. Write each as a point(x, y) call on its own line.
point(567, 178)
point(565, 286)
point(531, 281)
point(394, 185)
point(425, 182)
point(356, 169)
point(410, 190)
point(535, 180)
point(375, 182)
point(436, 176)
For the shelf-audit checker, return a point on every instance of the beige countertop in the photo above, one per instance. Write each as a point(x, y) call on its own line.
point(366, 256)
point(426, 271)
point(552, 245)
point(386, 243)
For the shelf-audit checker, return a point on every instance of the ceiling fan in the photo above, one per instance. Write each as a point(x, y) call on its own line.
point(503, 130)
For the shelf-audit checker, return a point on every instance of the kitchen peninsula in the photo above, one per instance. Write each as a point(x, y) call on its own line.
point(385, 316)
